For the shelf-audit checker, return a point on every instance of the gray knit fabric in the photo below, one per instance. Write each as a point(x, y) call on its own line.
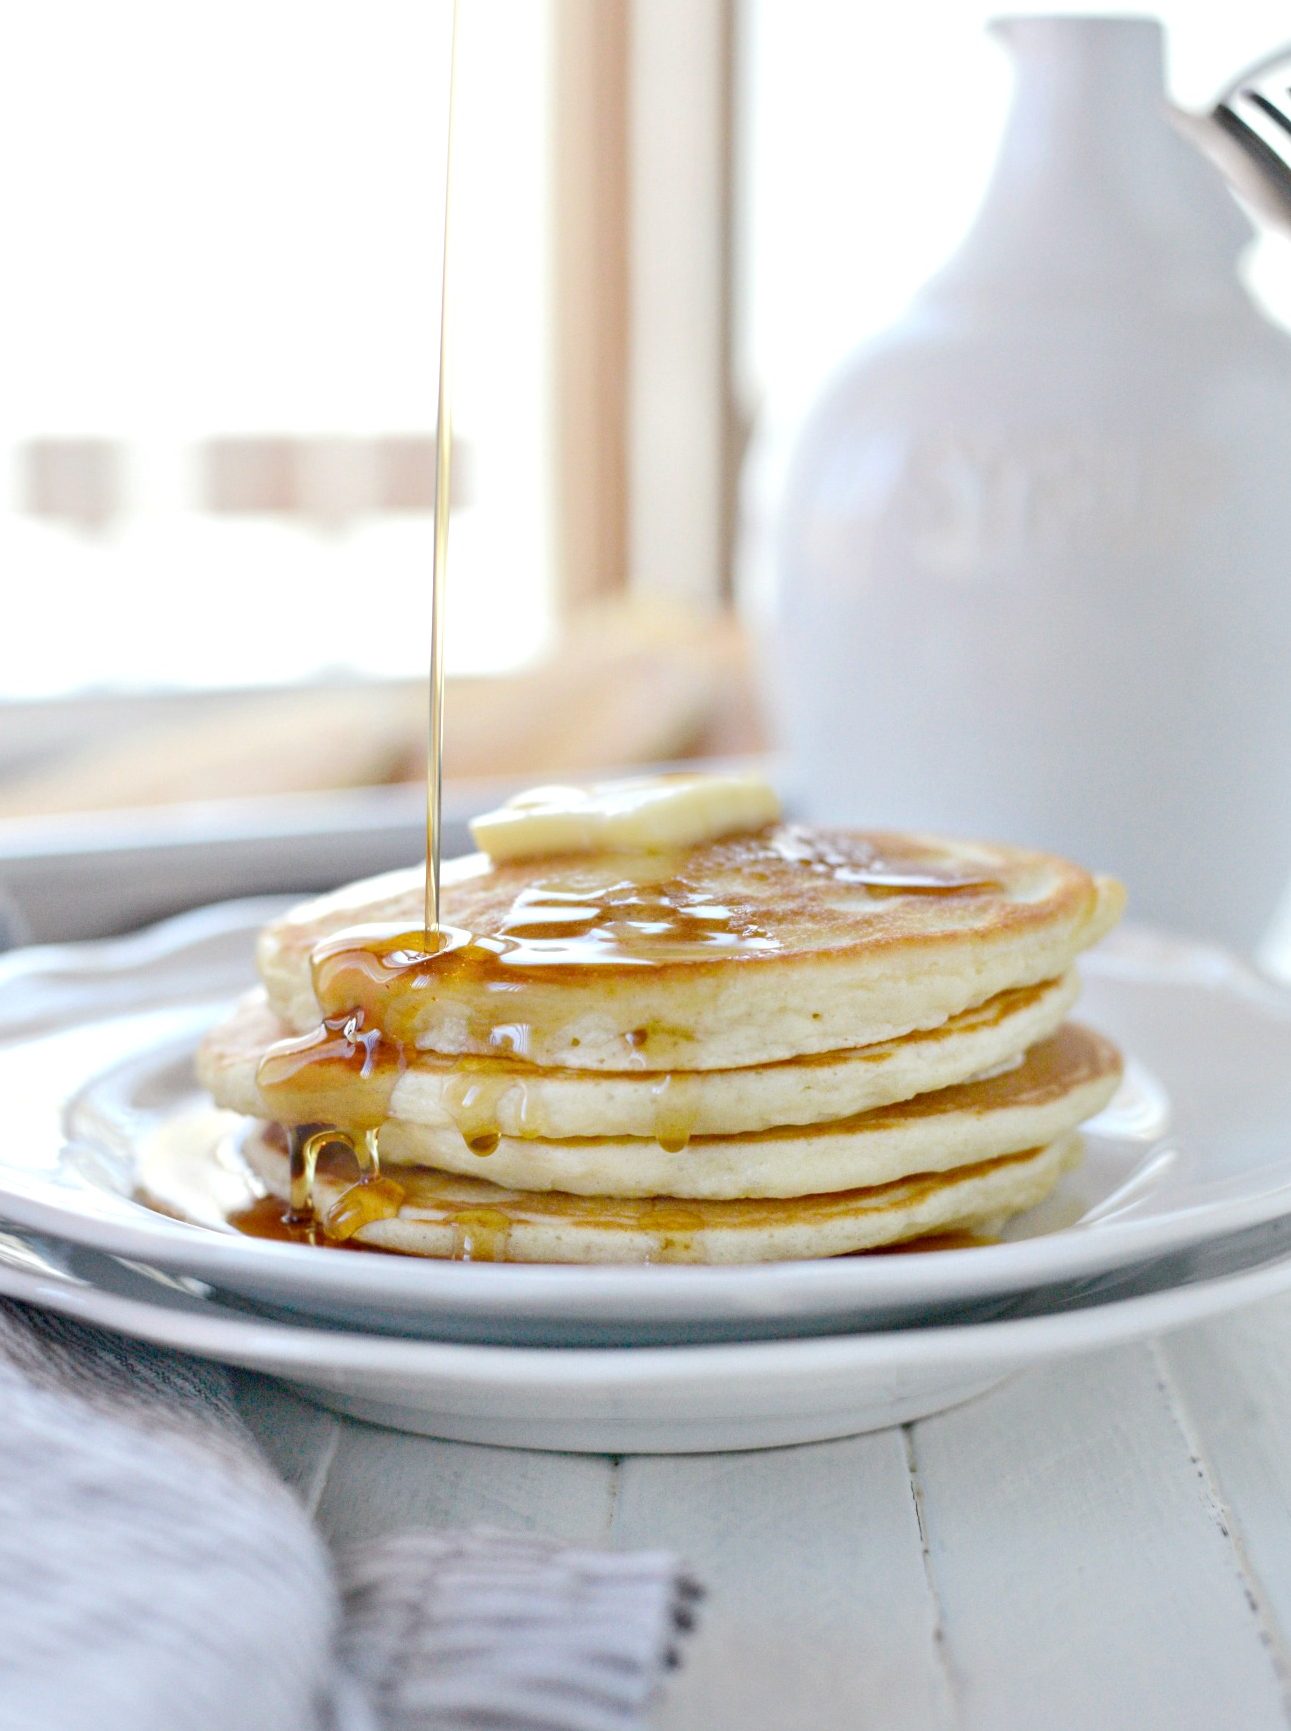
point(155, 1575)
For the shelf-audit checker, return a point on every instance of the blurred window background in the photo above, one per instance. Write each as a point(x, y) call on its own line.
point(220, 343)
point(219, 350)
point(220, 339)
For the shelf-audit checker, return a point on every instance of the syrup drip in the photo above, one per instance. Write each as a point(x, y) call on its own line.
point(480, 1235)
point(383, 974)
point(343, 1073)
point(306, 1145)
point(676, 1106)
point(371, 1197)
point(674, 1225)
point(472, 1096)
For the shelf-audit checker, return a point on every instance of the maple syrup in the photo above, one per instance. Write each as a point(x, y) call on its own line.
point(269, 1217)
point(372, 1198)
point(674, 1226)
point(957, 1239)
point(879, 874)
point(480, 1235)
point(472, 1096)
point(443, 499)
point(676, 1107)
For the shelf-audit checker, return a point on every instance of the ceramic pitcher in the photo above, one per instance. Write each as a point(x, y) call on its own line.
point(1033, 561)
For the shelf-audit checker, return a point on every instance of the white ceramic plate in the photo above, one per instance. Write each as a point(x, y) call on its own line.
point(95, 1068)
point(674, 1400)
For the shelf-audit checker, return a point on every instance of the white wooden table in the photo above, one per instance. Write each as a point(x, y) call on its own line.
point(1105, 1543)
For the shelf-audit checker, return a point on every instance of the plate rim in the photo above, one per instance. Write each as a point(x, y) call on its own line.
point(815, 1286)
point(1010, 1343)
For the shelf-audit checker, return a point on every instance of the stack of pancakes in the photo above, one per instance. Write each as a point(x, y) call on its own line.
point(798, 1042)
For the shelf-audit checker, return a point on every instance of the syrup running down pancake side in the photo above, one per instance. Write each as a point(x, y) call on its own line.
point(738, 951)
point(520, 1101)
point(448, 1216)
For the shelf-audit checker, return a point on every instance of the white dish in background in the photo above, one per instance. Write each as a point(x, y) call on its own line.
point(87, 873)
point(671, 1400)
point(95, 1050)
point(94, 872)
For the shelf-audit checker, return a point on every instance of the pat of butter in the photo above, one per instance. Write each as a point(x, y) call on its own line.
point(645, 815)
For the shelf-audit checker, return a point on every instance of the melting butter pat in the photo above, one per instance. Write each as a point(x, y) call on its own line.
point(645, 815)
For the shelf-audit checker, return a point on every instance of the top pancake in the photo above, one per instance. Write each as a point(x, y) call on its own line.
point(747, 950)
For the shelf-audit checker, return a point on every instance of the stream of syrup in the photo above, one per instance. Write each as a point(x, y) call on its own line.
point(352, 1057)
point(443, 492)
point(334, 1087)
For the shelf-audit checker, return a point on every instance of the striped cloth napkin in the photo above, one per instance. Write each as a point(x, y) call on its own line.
point(155, 1575)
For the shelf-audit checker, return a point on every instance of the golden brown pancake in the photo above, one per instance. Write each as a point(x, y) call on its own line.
point(521, 1100)
point(744, 951)
point(792, 1042)
point(444, 1215)
point(1059, 1083)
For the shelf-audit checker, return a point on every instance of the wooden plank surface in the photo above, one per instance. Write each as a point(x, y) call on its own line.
point(1084, 1573)
point(818, 1612)
point(1233, 1381)
point(1101, 1544)
point(383, 1481)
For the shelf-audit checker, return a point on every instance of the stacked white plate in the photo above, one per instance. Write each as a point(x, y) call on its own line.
point(1181, 1209)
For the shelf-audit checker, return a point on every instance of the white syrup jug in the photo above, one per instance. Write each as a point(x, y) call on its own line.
point(1033, 559)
